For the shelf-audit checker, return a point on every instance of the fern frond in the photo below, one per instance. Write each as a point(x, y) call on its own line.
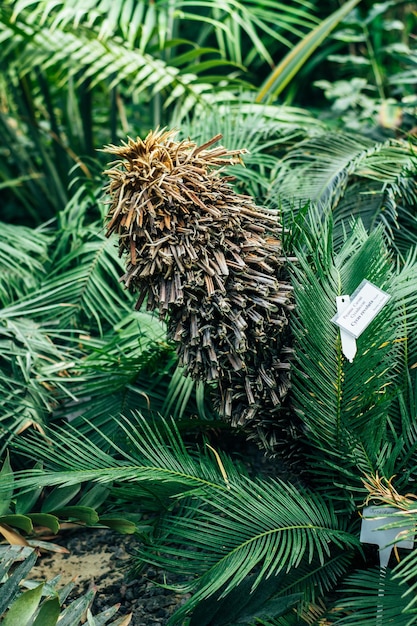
point(93, 61)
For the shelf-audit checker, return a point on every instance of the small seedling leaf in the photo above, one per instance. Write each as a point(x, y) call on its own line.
point(122, 525)
point(82, 513)
point(59, 498)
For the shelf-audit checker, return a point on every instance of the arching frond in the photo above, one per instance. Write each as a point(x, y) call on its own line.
point(119, 372)
point(149, 456)
point(325, 163)
point(262, 132)
point(93, 60)
point(270, 526)
point(354, 175)
point(32, 369)
point(142, 23)
point(89, 277)
point(217, 521)
point(372, 597)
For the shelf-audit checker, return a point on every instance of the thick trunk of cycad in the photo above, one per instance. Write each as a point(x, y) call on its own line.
point(210, 262)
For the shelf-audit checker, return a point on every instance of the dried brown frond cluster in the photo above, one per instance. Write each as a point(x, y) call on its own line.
point(381, 490)
point(210, 262)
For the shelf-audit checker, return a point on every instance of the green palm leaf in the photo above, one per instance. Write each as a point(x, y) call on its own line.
point(270, 526)
point(89, 276)
point(259, 130)
point(23, 259)
point(74, 53)
point(217, 521)
point(344, 406)
point(150, 453)
point(26, 389)
point(354, 175)
point(126, 369)
point(327, 161)
point(81, 288)
point(372, 598)
point(295, 59)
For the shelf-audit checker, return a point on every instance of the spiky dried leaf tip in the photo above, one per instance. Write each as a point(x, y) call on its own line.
point(210, 261)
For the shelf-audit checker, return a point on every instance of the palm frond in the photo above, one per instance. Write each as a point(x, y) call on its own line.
point(32, 371)
point(294, 60)
point(74, 53)
point(89, 277)
point(372, 597)
point(326, 162)
point(149, 452)
point(342, 405)
point(242, 606)
point(141, 23)
point(81, 287)
point(270, 526)
point(298, 595)
point(259, 25)
point(23, 257)
point(261, 131)
point(354, 175)
point(217, 521)
point(126, 369)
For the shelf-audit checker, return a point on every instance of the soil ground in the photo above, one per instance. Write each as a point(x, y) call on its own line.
point(102, 557)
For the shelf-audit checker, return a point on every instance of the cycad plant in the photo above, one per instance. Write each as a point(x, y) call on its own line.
point(289, 544)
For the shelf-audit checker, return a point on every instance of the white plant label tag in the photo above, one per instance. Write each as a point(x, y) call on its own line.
point(365, 304)
point(347, 340)
point(373, 520)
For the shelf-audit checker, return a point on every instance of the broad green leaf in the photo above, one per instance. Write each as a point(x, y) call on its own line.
point(120, 524)
point(10, 588)
point(73, 613)
point(6, 473)
point(23, 607)
point(48, 613)
point(82, 513)
point(59, 497)
point(94, 497)
point(45, 519)
point(24, 503)
point(17, 521)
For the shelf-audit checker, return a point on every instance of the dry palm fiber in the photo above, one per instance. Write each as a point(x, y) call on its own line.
point(210, 261)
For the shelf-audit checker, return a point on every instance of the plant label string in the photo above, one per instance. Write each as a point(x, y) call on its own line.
point(348, 341)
